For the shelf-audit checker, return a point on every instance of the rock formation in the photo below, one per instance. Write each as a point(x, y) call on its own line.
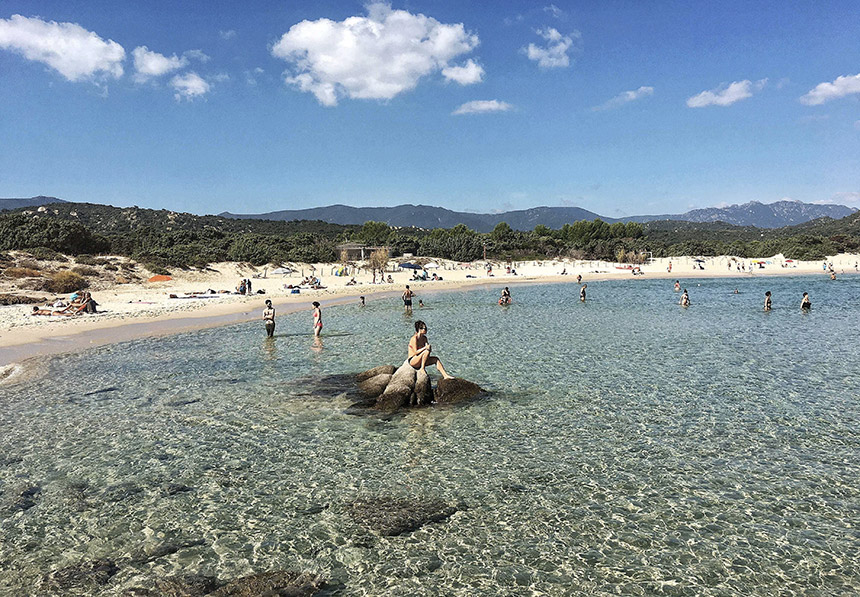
point(388, 389)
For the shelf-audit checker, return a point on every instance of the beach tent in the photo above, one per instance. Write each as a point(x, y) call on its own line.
point(409, 266)
point(431, 265)
point(160, 278)
point(282, 270)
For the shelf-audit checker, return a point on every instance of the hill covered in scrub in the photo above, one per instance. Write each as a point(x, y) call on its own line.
point(162, 238)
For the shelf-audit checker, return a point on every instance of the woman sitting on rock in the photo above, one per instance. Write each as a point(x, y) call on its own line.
point(419, 351)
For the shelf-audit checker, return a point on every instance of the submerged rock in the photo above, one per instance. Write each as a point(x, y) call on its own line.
point(454, 389)
point(392, 516)
point(189, 585)
point(23, 498)
point(89, 576)
point(374, 386)
point(381, 370)
point(281, 583)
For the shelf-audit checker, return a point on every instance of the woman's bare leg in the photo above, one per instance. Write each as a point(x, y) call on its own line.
point(436, 361)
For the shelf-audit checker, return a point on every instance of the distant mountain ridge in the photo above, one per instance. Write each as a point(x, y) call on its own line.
point(425, 216)
point(774, 215)
point(31, 202)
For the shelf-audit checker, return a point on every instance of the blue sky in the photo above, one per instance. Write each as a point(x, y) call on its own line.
point(618, 107)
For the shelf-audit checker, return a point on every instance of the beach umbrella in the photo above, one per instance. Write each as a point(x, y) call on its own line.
point(160, 278)
point(409, 266)
point(789, 260)
point(699, 260)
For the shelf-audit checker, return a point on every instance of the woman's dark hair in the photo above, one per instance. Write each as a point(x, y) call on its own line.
point(315, 304)
point(268, 302)
point(420, 325)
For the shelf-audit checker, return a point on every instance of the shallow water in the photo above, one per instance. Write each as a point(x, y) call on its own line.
point(629, 447)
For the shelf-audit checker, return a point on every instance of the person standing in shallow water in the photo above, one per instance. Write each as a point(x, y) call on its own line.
point(407, 299)
point(419, 351)
point(805, 304)
point(685, 299)
point(269, 319)
point(768, 304)
point(582, 293)
point(317, 319)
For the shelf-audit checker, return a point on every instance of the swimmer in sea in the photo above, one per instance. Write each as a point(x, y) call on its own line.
point(677, 286)
point(805, 304)
point(832, 275)
point(768, 304)
point(685, 299)
point(420, 303)
point(317, 319)
point(419, 351)
point(505, 299)
point(361, 301)
point(582, 293)
point(269, 319)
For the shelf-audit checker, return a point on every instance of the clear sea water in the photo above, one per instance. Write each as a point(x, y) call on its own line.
point(629, 446)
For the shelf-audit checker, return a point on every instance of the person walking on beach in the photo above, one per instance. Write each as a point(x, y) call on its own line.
point(579, 278)
point(419, 351)
point(407, 299)
point(269, 319)
point(317, 319)
point(248, 287)
point(805, 304)
point(685, 299)
point(582, 293)
point(768, 304)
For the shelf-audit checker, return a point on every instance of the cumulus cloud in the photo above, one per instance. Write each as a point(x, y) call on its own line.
point(824, 92)
point(228, 34)
point(469, 73)
point(196, 55)
point(625, 98)
point(377, 56)
point(148, 64)
point(726, 95)
point(482, 107)
point(68, 48)
point(189, 86)
point(555, 53)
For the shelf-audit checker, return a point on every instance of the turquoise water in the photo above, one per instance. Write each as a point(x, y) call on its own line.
point(629, 446)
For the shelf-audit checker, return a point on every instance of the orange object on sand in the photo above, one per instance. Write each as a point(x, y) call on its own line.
point(159, 278)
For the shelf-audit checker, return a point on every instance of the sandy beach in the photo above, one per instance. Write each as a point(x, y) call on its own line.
point(128, 311)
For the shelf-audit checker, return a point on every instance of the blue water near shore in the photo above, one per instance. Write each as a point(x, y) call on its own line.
point(629, 446)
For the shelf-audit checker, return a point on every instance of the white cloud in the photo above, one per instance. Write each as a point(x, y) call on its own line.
point(824, 92)
point(469, 73)
point(847, 198)
point(554, 11)
point(857, 124)
point(189, 86)
point(625, 98)
point(228, 34)
point(148, 64)
point(196, 55)
point(377, 56)
point(68, 48)
point(554, 55)
point(726, 95)
point(482, 107)
point(251, 76)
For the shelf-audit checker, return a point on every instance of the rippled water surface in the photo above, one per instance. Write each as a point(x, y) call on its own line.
point(628, 447)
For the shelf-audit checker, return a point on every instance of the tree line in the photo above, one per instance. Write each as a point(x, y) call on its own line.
point(165, 239)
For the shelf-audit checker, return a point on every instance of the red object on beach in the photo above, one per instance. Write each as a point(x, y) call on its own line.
point(160, 278)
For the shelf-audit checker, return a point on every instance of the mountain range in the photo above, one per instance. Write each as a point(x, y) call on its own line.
point(773, 215)
point(760, 215)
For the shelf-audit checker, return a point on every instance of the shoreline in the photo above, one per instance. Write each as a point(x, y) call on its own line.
point(20, 345)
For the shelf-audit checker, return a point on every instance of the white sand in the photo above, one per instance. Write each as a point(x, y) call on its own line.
point(149, 303)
